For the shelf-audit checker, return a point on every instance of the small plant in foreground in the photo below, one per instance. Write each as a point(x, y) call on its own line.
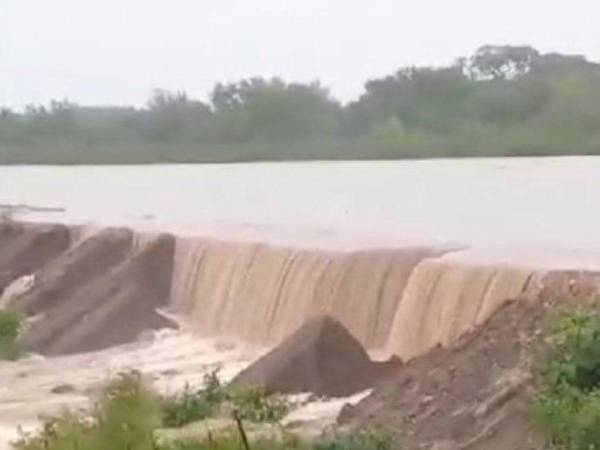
point(364, 438)
point(232, 441)
point(567, 403)
point(251, 403)
point(255, 405)
point(11, 326)
point(190, 406)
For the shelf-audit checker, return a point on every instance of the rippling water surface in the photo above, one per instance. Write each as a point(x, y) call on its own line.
point(532, 209)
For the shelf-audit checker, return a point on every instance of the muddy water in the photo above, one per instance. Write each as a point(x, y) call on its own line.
point(169, 361)
point(407, 255)
point(498, 207)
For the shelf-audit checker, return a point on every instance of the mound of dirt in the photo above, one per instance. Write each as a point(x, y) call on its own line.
point(101, 293)
point(321, 357)
point(24, 249)
point(474, 395)
point(74, 270)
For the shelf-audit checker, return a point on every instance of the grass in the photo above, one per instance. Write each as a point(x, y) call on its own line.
point(11, 326)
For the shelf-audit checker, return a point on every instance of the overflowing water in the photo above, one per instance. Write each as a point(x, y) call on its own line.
point(407, 255)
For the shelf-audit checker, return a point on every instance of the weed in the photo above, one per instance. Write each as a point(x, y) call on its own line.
point(251, 403)
point(255, 405)
point(190, 406)
point(567, 403)
point(365, 438)
point(11, 325)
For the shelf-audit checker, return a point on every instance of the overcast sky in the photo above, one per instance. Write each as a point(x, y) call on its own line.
point(117, 51)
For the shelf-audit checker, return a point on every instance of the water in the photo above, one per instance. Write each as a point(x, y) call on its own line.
point(529, 210)
point(347, 231)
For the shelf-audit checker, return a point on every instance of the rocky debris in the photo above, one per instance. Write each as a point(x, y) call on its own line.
point(321, 357)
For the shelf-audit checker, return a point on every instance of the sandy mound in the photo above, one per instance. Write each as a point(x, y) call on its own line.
point(473, 395)
point(322, 357)
point(99, 294)
point(26, 248)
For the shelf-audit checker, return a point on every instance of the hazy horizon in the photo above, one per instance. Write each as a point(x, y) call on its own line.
point(117, 52)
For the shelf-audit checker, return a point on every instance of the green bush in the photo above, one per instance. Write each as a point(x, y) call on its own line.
point(11, 325)
point(567, 403)
point(255, 405)
point(251, 403)
point(190, 406)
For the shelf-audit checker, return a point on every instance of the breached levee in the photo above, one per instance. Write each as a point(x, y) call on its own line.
point(105, 286)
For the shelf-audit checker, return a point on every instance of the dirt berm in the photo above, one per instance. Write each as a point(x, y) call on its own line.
point(321, 357)
point(27, 248)
point(475, 395)
point(101, 293)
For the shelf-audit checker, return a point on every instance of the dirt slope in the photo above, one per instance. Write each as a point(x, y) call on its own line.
point(101, 293)
point(27, 248)
point(475, 395)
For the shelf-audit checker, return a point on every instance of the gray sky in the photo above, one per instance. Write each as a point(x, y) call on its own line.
point(117, 51)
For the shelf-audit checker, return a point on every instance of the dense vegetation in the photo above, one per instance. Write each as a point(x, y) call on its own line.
point(500, 101)
point(129, 414)
point(567, 405)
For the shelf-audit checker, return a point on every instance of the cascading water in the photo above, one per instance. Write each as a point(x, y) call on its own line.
point(445, 299)
point(404, 301)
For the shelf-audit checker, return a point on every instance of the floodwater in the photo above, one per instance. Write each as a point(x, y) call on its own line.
point(543, 211)
point(540, 212)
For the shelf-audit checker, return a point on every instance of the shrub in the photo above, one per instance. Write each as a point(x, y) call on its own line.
point(251, 403)
point(11, 325)
point(567, 403)
point(255, 405)
point(190, 406)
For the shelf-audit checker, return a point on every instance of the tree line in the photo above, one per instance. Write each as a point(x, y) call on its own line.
point(500, 101)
